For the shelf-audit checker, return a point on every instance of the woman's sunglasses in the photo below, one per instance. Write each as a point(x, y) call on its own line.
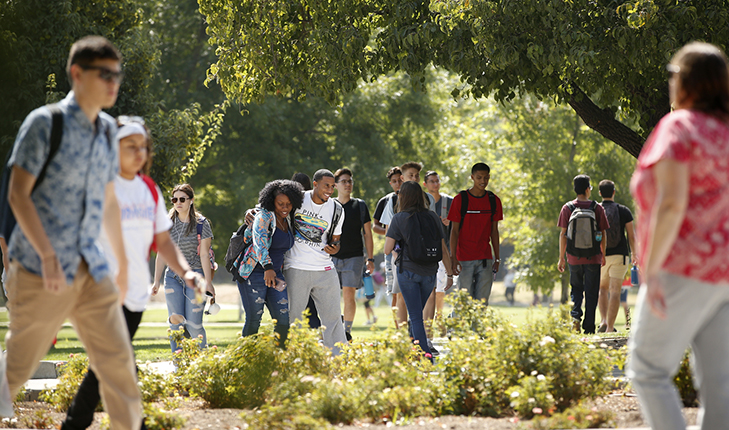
point(182, 199)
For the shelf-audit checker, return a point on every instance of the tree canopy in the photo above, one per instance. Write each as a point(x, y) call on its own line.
point(605, 58)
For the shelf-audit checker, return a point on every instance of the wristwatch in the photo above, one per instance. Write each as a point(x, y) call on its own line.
point(371, 259)
point(498, 260)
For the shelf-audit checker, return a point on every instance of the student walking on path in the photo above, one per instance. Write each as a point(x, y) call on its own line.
point(144, 223)
point(681, 186)
point(192, 234)
point(260, 267)
point(410, 228)
point(57, 270)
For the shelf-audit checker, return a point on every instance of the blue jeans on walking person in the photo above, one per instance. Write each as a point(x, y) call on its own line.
point(181, 301)
point(585, 280)
point(477, 278)
point(254, 295)
point(416, 290)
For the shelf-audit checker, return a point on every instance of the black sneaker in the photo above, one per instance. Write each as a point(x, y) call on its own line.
point(433, 351)
point(349, 336)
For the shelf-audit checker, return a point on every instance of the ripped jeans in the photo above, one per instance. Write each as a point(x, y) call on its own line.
point(181, 301)
point(254, 294)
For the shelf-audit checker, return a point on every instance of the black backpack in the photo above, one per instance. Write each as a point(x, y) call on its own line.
point(7, 218)
point(464, 207)
point(582, 230)
point(615, 232)
point(423, 239)
point(338, 210)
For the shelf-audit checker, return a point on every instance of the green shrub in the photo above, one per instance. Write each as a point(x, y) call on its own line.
point(532, 396)
point(285, 416)
point(40, 419)
point(491, 356)
point(152, 385)
point(157, 419)
point(685, 382)
point(577, 417)
point(72, 373)
point(236, 377)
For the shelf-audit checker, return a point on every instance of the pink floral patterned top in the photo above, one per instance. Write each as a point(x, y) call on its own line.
point(701, 250)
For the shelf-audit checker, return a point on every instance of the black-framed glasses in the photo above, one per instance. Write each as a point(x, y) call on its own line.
point(181, 199)
point(105, 73)
point(127, 119)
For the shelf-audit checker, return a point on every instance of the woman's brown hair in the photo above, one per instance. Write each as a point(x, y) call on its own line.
point(702, 71)
point(411, 198)
point(193, 214)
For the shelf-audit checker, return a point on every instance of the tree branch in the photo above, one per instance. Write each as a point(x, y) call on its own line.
point(603, 121)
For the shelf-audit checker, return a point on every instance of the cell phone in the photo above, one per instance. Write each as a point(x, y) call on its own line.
point(335, 243)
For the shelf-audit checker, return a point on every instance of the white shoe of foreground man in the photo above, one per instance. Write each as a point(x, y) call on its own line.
point(6, 403)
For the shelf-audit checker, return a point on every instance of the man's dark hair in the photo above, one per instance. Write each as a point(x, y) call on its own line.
point(480, 167)
point(303, 179)
point(87, 49)
point(411, 165)
point(322, 173)
point(607, 188)
point(582, 183)
point(342, 171)
point(293, 190)
point(393, 171)
point(429, 174)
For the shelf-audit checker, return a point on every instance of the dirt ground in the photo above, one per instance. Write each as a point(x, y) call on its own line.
point(198, 417)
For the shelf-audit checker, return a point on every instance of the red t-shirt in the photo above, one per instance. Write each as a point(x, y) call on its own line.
point(602, 224)
point(474, 239)
point(701, 141)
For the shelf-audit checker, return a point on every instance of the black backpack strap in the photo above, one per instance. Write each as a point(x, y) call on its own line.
point(464, 208)
point(338, 209)
point(492, 202)
point(55, 142)
point(571, 206)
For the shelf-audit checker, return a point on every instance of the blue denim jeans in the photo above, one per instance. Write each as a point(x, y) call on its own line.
point(416, 290)
point(181, 301)
point(477, 279)
point(585, 280)
point(255, 294)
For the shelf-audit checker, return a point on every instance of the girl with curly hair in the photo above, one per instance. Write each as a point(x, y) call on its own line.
point(260, 266)
point(183, 309)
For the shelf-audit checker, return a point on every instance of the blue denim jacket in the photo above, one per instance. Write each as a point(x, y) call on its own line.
point(70, 200)
point(261, 235)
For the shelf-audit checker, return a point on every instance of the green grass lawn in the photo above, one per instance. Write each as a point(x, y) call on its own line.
point(151, 342)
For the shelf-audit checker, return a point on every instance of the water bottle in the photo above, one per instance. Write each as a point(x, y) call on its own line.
point(598, 236)
point(634, 281)
point(369, 287)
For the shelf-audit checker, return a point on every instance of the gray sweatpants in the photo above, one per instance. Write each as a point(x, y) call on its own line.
point(697, 314)
point(323, 286)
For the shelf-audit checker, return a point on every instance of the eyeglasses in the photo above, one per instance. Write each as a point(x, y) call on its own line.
point(106, 74)
point(347, 181)
point(125, 119)
point(181, 199)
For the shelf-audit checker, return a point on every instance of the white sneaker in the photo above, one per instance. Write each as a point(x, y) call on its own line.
point(6, 402)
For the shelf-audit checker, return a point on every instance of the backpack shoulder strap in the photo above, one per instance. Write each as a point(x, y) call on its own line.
point(152, 189)
point(492, 202)
point(464, 207)
point(570, 206)
point(593, 205)
point(199, 227)
point(55, 142)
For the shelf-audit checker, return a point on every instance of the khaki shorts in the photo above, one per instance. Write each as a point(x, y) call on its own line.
point(616, 266)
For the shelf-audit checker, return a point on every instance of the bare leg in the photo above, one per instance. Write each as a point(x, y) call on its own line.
point(602, 300)
point(613, 303)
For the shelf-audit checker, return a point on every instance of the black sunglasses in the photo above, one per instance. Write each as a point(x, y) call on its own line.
point(105, 73)
point(182, 199)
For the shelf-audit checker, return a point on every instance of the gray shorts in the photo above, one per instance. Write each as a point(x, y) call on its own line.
point(350, 271)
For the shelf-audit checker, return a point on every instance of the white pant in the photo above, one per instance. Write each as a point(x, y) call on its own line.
point(697, 315)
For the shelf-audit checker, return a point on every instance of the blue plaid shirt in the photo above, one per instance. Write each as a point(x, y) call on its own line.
point(70, 200)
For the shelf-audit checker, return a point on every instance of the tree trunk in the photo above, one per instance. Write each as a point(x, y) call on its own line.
point(603, 121)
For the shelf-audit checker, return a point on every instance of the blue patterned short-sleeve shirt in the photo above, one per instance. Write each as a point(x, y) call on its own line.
point(70, 200)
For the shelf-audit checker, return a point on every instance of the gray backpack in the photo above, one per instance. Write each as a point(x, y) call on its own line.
point(582, 231)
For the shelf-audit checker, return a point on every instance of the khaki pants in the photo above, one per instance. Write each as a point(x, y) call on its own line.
point(36, 315)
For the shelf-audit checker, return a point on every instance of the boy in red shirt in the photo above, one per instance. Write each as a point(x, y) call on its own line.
point(474, 233)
